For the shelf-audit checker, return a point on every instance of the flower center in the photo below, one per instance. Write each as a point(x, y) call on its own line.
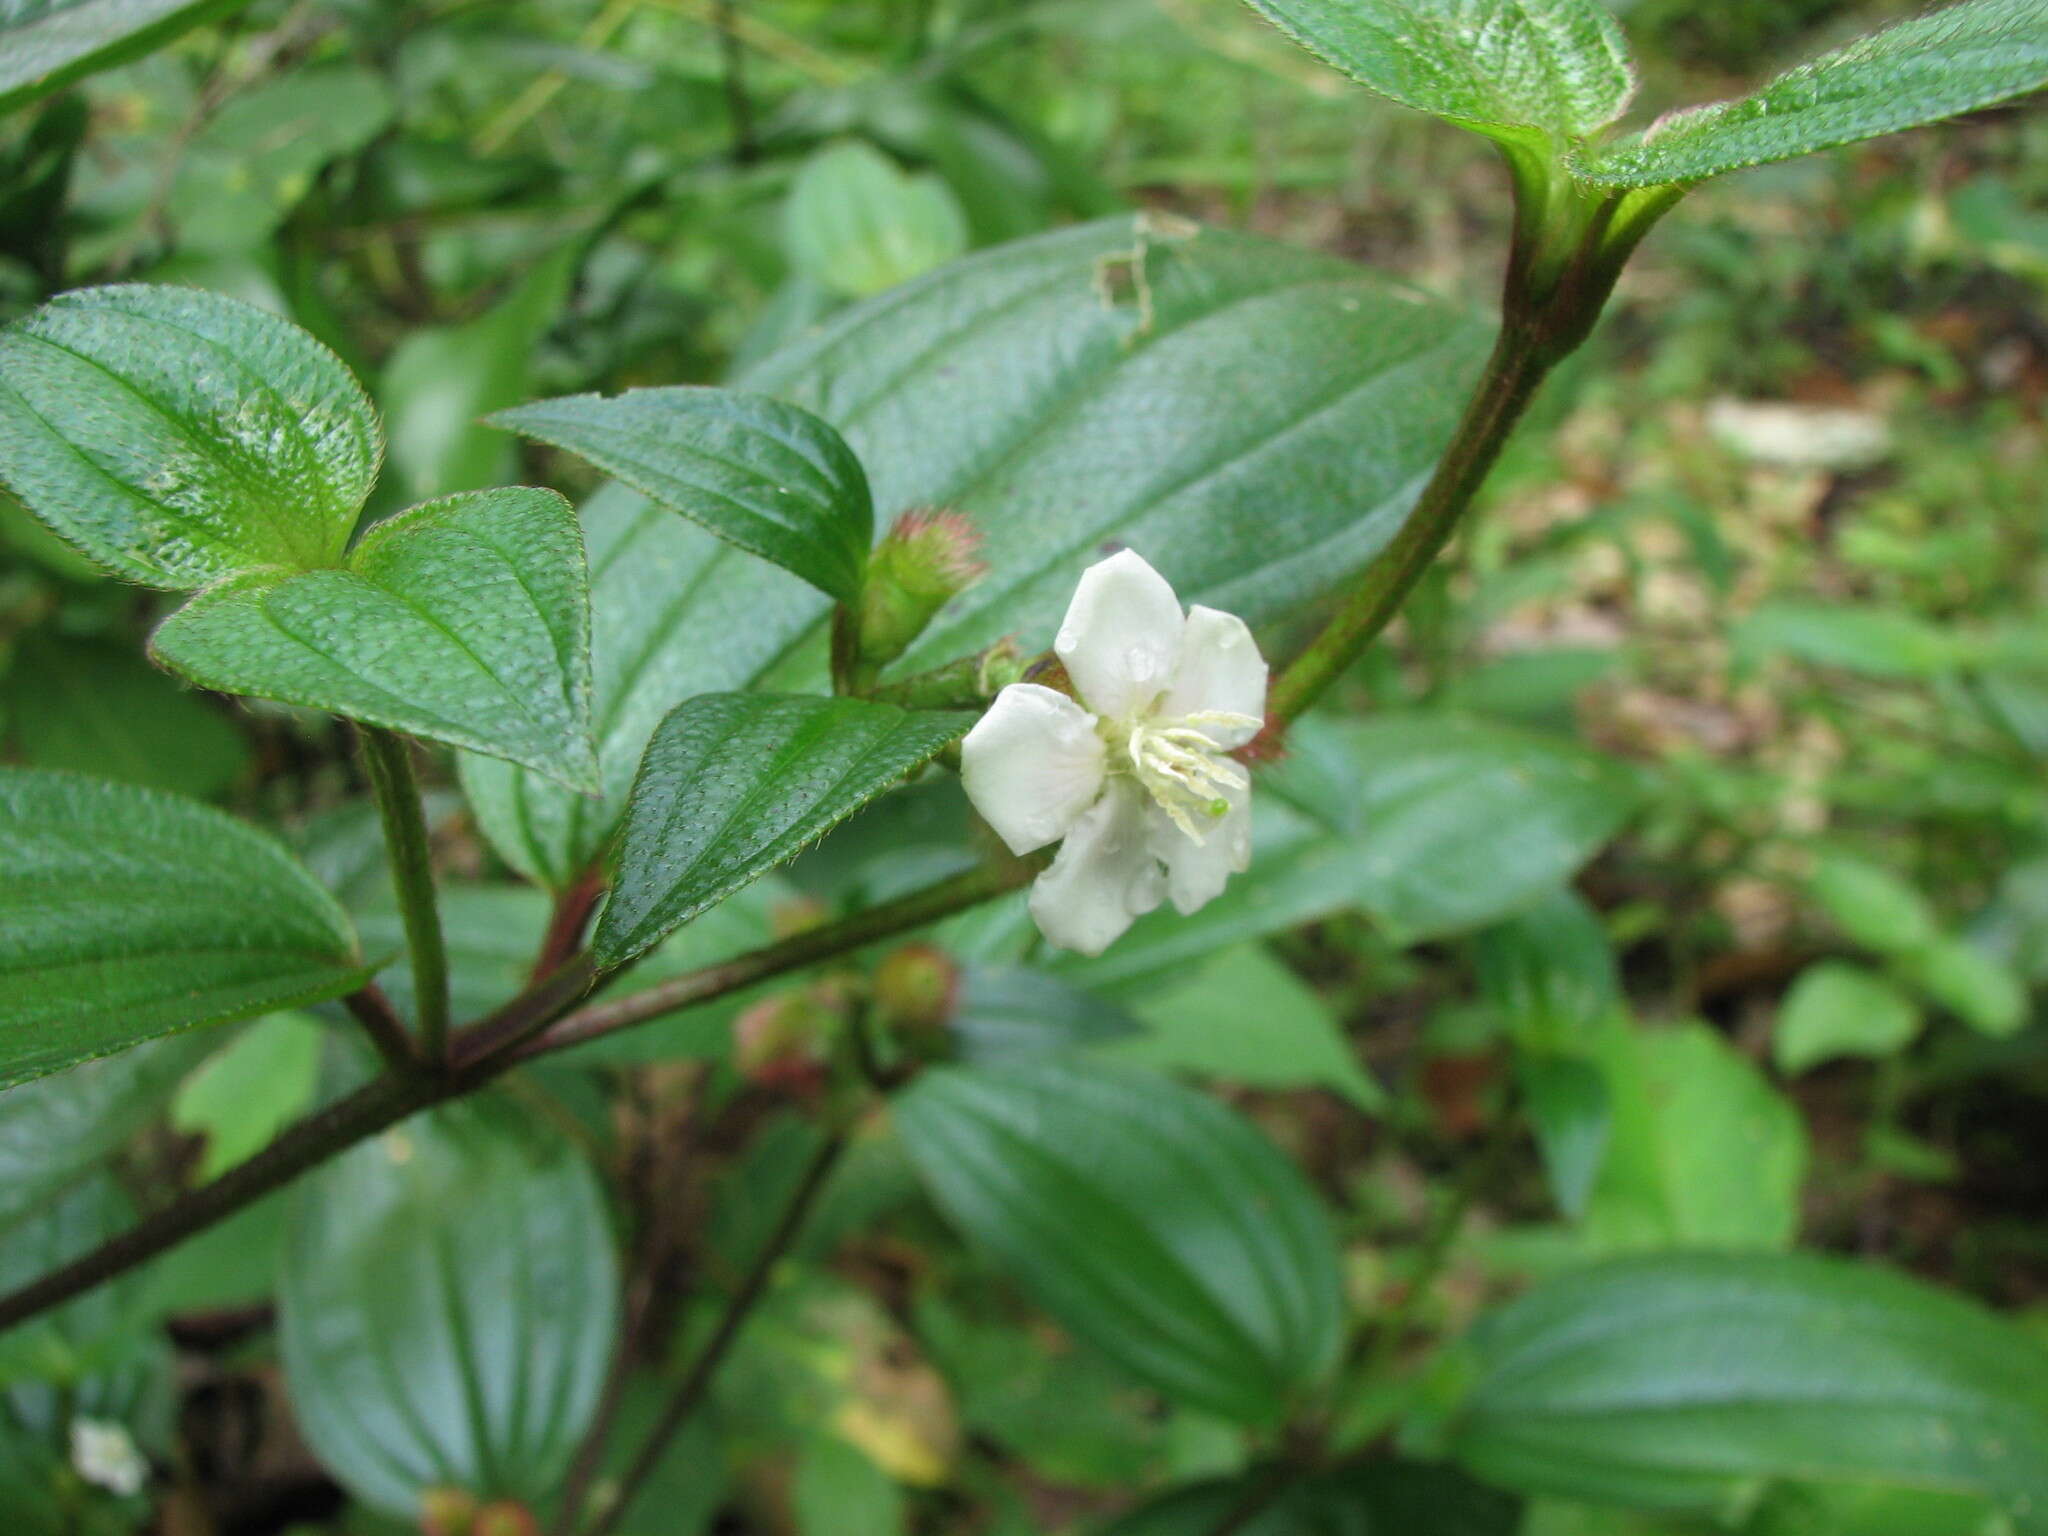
point(1184, 772)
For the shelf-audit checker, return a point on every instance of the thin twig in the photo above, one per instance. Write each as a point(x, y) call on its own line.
point(571, 915)
point(697, 1380)
point(481, 1053)
point(387, 1031)
point(877, 923)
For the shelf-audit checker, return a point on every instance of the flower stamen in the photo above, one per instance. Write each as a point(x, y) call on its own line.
point(1183, 770)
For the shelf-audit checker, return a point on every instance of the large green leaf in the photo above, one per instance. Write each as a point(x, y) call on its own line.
point(1144, 1216)
point(440, 380)
point(46, 44)
point(1255, 419)
point(250, 1089)
point(178, 437)
point(674, 613)
point(258, 156)
point(1394, 1498)
point(1459, 822)
point(1920, 71)
point(127, 913)
point(101, 709)
point(1259, 425)
point(734, 784)
point(1701, 1151)
point(1675, 1380)
point(447, 1306)
point(53, 1130)
point(100, 1333)
point(465, 620)
point(1558, 67)
point(1550, 969)
point(856, 224)
point(1199, 1027)
point(1837, 1009)
point(766, 476)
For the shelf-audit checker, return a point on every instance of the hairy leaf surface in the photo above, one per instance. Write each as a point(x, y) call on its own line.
point(127, 913)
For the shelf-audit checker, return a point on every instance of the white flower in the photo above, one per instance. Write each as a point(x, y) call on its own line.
point(1141, 789)
point(104, 1454)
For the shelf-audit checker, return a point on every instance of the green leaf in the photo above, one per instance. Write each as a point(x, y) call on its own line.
point(1167, 389)
point(1985, 994)
point(1550, 969)
point(734, 784)
point(1008, 1013)
point(1703, 1152)
point(258, 156)
point(840, 1492)
point(1572, 1113)
point(53, 1130)
point(766, 476)
point(100, 1334)
point(1874, 641)
point(674, 613)
point(249, 1091)
point(1397, 1498)
point(127, 914)
point(1921, 71)
point(1298, 873)
point(1251, 375)
point(46, 44)
point(447, 1307)
point(1145, 1217)
point(178, 437)
point(101, 709)
point(1871, 905)
point(1557, 67)
point(1836, 1009)
point(1671, 1381)
point(857, 224)
point(1199, 1026)
point(439, 382)
point(1458, 822)
point(464, 620)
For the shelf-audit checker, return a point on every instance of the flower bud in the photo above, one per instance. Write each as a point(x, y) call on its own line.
point(799, 914)
point(926, 559)
point(505, 1518)
point(783, 1042)
point(447, 1512)
point(916, 989)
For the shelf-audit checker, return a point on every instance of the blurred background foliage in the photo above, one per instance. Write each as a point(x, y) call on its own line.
point(1698, 802)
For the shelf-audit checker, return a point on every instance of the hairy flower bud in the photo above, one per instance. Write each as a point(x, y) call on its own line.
point(505, 1518)
point(927, 558)
point(783, 1043)
point(916, 989)
point(447, 1512)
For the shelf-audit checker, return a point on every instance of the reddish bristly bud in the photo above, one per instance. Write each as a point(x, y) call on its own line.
point(799, 914)
point(782, 1043)
point(505, 1518)
point(939, 548)
point(927, 558)
point(916, 989)
point(447, 1512)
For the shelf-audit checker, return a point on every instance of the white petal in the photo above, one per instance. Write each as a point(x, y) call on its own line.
point(1197, 872)
point(1121, 636)
point(1104, 878)
point(1032, 764)
point(1220, 669)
